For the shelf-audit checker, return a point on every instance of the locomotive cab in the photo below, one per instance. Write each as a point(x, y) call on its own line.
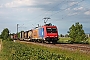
point(50, 33)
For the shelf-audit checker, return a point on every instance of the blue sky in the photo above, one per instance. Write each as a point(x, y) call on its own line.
point(29, 13)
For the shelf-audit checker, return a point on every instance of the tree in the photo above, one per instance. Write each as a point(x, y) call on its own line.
point(5, 34)
point(76, 33)
point(19, 34)
point(66, 35)
point(61, 35)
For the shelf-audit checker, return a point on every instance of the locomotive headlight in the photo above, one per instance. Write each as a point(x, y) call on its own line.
point(55, 36)
point(47, 36)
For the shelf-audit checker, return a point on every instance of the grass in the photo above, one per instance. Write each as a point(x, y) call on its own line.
point(76, 55)
point(63, 39)
point(14, 50)
point(89, 40)
point(66, 39)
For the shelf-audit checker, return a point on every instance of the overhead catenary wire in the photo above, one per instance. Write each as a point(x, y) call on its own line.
point(76, 13)
point(65, 9)
point(62, 9)
point(53, 13)
point(49, 10)
point(46, 12)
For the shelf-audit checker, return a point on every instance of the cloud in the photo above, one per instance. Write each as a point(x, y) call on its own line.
point(76, 10)
point(18, 3)
point(71, 7)
point(1, 6)
point(68, 9)
point(72, 3)
point(55, 5)
point(48, 5)
point(87, 12)
point(73, 14)
point(80, 8)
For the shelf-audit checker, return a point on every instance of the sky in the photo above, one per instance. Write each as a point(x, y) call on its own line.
point(29, 13)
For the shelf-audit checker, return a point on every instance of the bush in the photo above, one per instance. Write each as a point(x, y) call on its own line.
point(77, 34)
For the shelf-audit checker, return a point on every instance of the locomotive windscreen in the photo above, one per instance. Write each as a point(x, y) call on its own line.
point(54, 30)
point(51, 30)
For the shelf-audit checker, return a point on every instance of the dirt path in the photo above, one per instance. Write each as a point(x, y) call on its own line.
point(0, 44)
point(0, 47)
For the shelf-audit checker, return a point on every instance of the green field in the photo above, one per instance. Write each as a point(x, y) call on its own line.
point(89, 40)
point(66, 39)
point(63, 39)
point(23, 51)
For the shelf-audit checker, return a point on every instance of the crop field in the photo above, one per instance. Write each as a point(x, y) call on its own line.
point(24, 51)
point(19, 51)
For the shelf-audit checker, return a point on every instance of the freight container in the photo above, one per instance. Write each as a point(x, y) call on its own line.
point(41, 33)
point(15, 36)
point(35, 34)
point(22, 35)
point(29, 34)
point(11, 36)
point(26, 34)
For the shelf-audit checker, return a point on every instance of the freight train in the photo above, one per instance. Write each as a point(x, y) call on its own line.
point(47, 33)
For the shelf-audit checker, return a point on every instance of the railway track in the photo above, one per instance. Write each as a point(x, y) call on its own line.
point(72, 47)
point(80, 47)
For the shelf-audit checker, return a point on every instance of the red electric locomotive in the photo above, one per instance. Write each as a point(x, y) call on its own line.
point(50, 33)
